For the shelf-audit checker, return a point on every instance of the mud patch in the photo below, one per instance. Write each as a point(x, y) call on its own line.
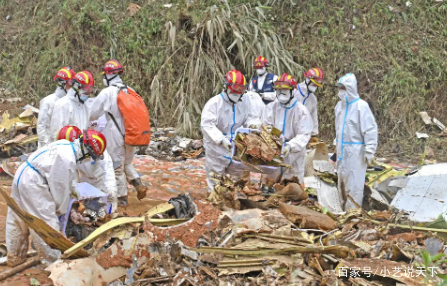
point(189, 232)
point(113, 256)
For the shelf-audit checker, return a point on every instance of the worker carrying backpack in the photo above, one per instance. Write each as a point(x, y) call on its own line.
point(135, 116)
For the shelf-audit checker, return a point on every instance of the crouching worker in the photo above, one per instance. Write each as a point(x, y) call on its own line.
point(42, 186)
point(100, 174)
point(295, 122)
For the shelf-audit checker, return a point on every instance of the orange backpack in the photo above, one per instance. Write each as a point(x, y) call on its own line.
point(135, 116)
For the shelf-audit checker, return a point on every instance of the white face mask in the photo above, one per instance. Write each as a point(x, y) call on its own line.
point(312, 88)
point(234, 97)
point(104, 81)
point(342, 93)
point(83, 97)
point(261, 71)
point(284, 98)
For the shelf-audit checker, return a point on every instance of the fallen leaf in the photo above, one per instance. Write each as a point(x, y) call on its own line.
point(34, 282)
point(133, 9)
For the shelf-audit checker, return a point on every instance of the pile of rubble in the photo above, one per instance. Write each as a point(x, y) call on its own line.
point(166, 145)
point(259, 148)
point(239, 237)
point(18, 131)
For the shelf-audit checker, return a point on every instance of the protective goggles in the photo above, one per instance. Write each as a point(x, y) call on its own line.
point(237, 88)
point(283, 85)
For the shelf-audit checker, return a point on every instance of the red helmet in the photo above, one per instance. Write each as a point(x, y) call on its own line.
point(315, 75)
point(285, 81)
point(235, 81)
point(112, 67)
point(260, 62)
point(85, 80)
point(94, 142)
point(69, 133)
point(65, 75)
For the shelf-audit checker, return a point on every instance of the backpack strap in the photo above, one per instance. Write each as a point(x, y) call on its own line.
point(116, 123)
point(111, 115)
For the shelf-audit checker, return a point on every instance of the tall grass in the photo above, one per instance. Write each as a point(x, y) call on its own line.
point(176, 57)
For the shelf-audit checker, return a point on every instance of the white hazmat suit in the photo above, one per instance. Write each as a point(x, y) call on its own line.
point(295, 122)
point(45, 114)
point(42, 186)
point(70, 111)
point(356, 131)
point(220, 119)
point(122, 154)
point(309, 100)
point(257, 106)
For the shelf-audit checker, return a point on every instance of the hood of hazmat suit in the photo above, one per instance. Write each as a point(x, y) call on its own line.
point(220, 119)
point(309, 100)
point(295, 122)
point(356, 131)
point(42, 186)
point(44, 120)
point(69, 111)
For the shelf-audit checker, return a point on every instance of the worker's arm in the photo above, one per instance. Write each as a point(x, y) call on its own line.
point(109, 180)
point(62, 178)
point(209, 121)
point(314, 114)
point(368, 127)
point(98, 106)
point(303, 128)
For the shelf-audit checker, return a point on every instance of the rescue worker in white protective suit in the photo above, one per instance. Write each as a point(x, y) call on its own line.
point(222, 115)
point(263, 82)
point(122, 154)
point(42, 186)
point(305, 92)
point(356, 141)
point(72, 111)
point(102, 177)
point(63, 79)
point(290, 116)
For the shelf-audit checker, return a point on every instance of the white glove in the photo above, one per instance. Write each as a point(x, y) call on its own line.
point(227, 144)
point(369, 157)
point(286, 151)
point(75, 193)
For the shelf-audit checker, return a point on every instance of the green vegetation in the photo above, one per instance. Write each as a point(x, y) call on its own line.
point(176, 57)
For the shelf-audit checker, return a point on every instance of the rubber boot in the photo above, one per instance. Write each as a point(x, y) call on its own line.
point(141, 189)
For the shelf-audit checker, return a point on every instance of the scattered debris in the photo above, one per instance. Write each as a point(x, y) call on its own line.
point(27, 264)
point(166, 145)
point(258, 148)
point(421, 135)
